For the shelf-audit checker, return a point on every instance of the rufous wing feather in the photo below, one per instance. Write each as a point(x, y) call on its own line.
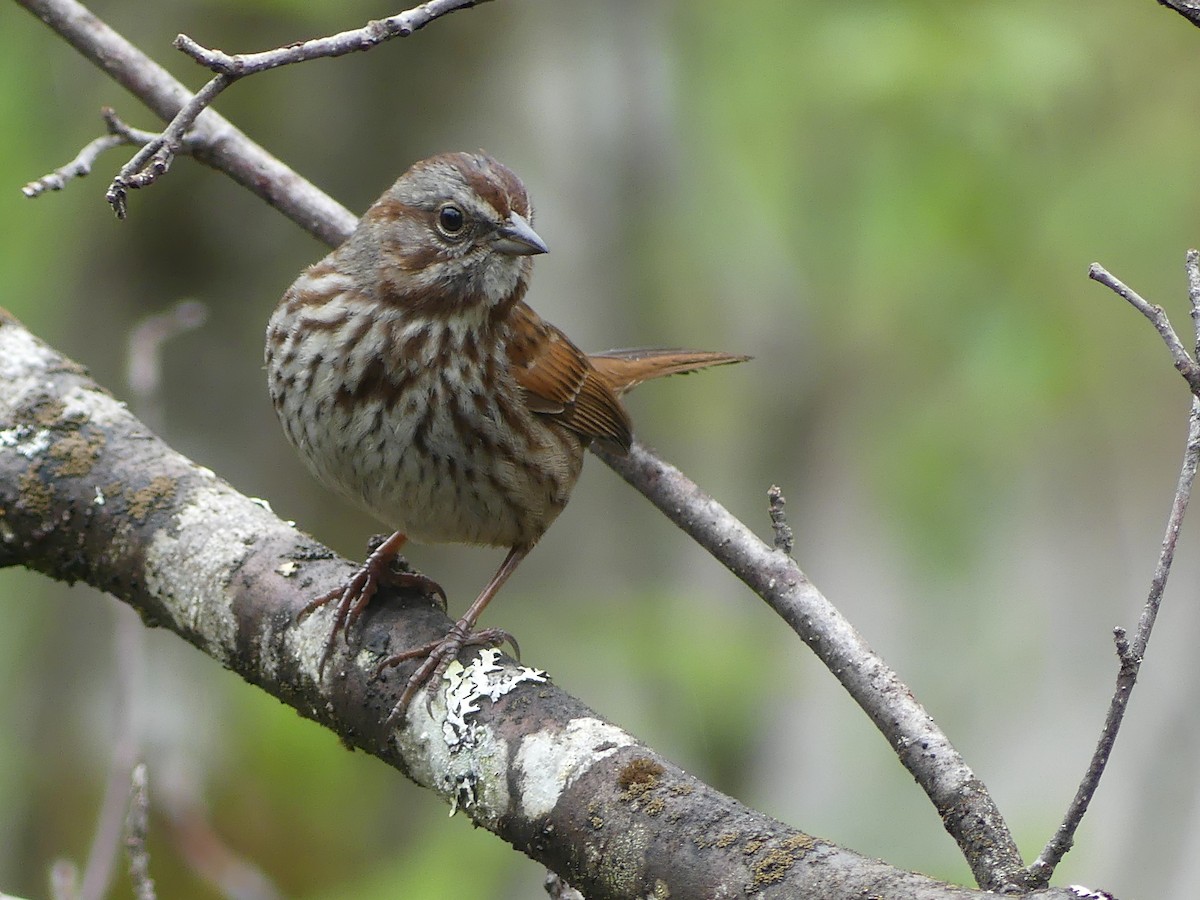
point(583, 392)
point(560, 382)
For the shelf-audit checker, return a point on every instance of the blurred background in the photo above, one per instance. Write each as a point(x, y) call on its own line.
point(892, 207)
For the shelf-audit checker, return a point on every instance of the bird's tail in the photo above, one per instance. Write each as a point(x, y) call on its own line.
point(623, 370)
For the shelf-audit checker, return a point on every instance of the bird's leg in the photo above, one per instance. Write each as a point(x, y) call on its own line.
point(352, 598)
point(437, 654)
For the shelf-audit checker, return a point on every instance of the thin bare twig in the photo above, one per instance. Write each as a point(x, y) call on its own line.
point(373, 33)
point(1131, 653)
point(215, 141)
point(1192, 267)
point(1183, 362)
point(80, 166)
point(1130, 656)
point(155, 157)
point(119, 134)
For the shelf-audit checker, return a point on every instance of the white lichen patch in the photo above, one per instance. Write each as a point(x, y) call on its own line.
point(472, 778)
point(463, 760)
point(484, 677)
point(25, 441)
point(551, 761)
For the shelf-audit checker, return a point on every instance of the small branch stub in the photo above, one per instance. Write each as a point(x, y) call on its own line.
point(784, 539)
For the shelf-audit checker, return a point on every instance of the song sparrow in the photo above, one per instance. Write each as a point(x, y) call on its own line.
point(414, 380)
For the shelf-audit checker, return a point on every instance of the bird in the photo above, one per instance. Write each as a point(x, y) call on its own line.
point(414, 380)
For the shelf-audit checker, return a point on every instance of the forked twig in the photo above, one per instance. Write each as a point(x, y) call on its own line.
point(156, 155)
point(1184, 363)
point(1131, 653)
point(119, 133)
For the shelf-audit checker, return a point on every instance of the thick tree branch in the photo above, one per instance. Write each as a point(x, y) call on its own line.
point(87, 493)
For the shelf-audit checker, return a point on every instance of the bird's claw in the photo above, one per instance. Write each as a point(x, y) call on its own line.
point(350, 600)
point(436, 657)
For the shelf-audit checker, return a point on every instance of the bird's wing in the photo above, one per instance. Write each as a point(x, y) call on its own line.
point(560, 383)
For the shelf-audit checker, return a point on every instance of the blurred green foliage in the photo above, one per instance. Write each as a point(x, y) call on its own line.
point(892, 206)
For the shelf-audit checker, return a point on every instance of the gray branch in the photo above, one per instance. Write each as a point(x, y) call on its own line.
point(967, 810)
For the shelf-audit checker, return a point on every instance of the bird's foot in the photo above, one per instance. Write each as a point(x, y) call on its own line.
point(436, 656)
point(352, 598)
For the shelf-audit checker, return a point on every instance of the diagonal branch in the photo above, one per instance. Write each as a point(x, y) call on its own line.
point(967, 810)
point(1184, 363)
point(370, 35)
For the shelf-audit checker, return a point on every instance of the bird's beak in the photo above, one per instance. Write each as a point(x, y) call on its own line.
point(516, 237)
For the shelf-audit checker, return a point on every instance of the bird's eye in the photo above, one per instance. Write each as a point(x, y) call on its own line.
point(451, 221)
